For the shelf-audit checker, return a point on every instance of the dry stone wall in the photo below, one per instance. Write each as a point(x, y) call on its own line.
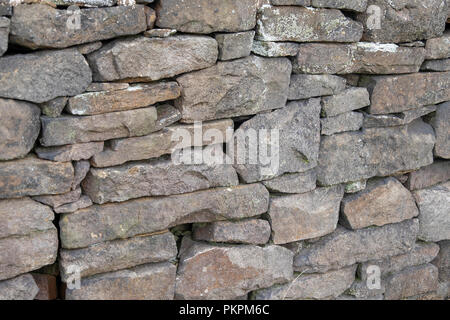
point(349, 196)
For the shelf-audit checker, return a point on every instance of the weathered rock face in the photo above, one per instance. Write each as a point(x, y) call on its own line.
point(253, 231)
point(344, 248)
point(157, 144)
point(274, 49)
point(396, 119)
point(352, 156)
point(354, 5)
point(30, 25)
point(362, 57)
point(83, 202)
point(312, 286)
point(434, 212)
point(305, 216)
point(71, 129)
point(443, 261)
point(142, 216)
point(19, 128)
point(117, 255)
point(440, 124)
point(293, 182)
point(299, 24)
point(147, 282)
point(46, 283)
point(54, 107)
point(32, 176)
point(59, 199)
point(158, 177)
point(404, 20)
point(42, 76)
point(4, 33)
point(345, 101)
point(235, 45)
point(438, 48)
point(298, 128)
point(436, 65)
point(304, 86)
point(392, 94)
point(71, 152)
point(348, 121)
point(152, 58)
point(428, 176)
point(227, 272)
point(207, 16)
point(20, 288)
point(235, 88)
point(383, 201)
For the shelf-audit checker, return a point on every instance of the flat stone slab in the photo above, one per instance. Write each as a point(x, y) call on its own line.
point(304, 86)
point(428, 176)
point(71, 152)
point(440, 124)
point(22, 287)
point(293, 182)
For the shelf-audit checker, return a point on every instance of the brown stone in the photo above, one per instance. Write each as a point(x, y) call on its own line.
point(72, 152)
point(430, 175)
point(292, 182)
point(47, 286)
point(60, 199)
point(440, 123)
point(106, 86)
point(438, 48)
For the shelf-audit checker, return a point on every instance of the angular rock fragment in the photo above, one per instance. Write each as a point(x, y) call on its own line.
point(438, 48)
point(152, 58)
point(117, 255)
point(44, 75)
point(440, 123)
point(136, 96)
point(304, 86)
point(359, 291)
point(55, 107)
point(226, 272)
point(383, 201)
point(89, 47)
point(81, 169)
point(352, 156)
point(291, 2)
point(355, 186)
point(31, 177)
point(347, 100)
point(20, 288)
point(354, 5)
point(83, 202)
point(154, 281)
point(71, 152)
point(207, 16)
point(30, 25)
point(60, 199)
point(274, 49)
point(442, 262)
point(436, 65)
point(234, 88)
point(292, 182)
point(425, 177)
point(396, 119)
point(4, 33)
point(106, 86)
point(305, 216)
point(253, 231)
point(348, 121)
point(234, 45)
point(48, 289)
point(5, 9)
point(142, 216)
point(73, 129)
point(344, 247)
point(19, 127)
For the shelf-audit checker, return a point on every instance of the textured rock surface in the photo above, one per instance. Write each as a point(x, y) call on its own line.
point(153, 58)
point(355, 5)
point(227, 272)
point(213, 15)
point(142, 216)
point(46, 283)
point(72, 152)
point(54, 107)
point(30, 25)
point(436, 65)
point(348, 121)
point(383, 201)
point(306, 25)
point(396, 119)
point(354, 156)
point(305, 216)
point(73, 129)
point(312, 286)
point(343, 247)
point(304, 86)
point(20, 288)
point(83, 202)
point(44, 75)
point(60, 199)
point(292, 182)
point(298, 127)
point(234, 88)
point(434, 210)
point(442, 129)
point(31, 176)
point(117, 255)
point(438, 48)
point(19, 128)
point(234, 45)
point(347, 100)
point(274, 49)
point(147, 282)
point(254, 231)
point(443, 261)
point(4, 33)
point(430, 175)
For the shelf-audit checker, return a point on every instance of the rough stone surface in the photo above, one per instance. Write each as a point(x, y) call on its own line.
point(355, 186)
point(89, 47)
point(136, 96)
point(46, 283)
point(304, 86)
point(434, 210)
point(4, 33)
point(234, 88)
point(312, 286)
point(20, 288)
point(298, 126)
point(405, 20)
point(160, 33)
point(440, 123)
point(142, 216)
point(44, 75)
point(55, 107)
point(354, 5)
point(305, 216)
point(117, 255)
point(359, 291)
point(392, 94)
point(347, 100)
point(159, 177)
point(274, 49)
point(344, 247)
point(430, 175)
point(436, 65)
point(438, 48)
point(253, 231)
point(31, 177)
point(71, 152)
point(60, 199)
point(153, 58)
point(81, 169)
point(83, 202)
point(234, 45)
point(443, 261)
point(299, 24)
point(19, 128)
point(383, 201)
point(226, 272)
point(5, 9)
point(73, 129)
point(106, 86)
point(213, 15)
point(147, 282)
point(348, 121)
point(396, 119)
point(156, 144)
point(293, 182)
point(352, 156)
point(30, 25)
